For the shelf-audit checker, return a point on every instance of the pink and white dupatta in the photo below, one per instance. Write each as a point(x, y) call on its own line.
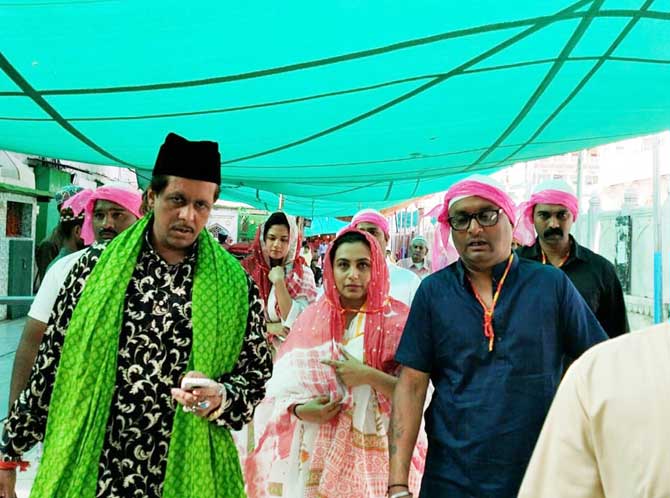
point(342, 460)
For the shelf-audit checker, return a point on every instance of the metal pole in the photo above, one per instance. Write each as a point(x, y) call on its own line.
point(281, 202)
point(658, 262)
point(580, 162)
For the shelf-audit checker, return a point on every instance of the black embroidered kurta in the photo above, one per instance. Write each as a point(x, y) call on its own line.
point(154, 349)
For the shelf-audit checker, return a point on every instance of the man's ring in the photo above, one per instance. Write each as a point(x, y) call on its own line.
point(203, 405)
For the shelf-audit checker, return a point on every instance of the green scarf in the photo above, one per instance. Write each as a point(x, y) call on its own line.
point(202, 459)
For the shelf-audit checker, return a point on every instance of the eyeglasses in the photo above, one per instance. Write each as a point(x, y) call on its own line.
point(485, 218)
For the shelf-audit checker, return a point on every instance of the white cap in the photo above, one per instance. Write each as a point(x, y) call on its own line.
point(367, 210)
point(559, 185)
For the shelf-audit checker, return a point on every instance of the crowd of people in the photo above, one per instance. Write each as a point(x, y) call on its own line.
point(154, 364)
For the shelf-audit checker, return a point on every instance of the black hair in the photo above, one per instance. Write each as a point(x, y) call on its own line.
point(347, 238)
point(277, 218)
point(65, 228)
point(160, 182)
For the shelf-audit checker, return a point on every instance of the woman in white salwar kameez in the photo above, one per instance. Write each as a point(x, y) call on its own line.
point(332, 386)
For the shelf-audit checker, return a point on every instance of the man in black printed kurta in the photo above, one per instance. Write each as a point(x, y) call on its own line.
point(156, 344)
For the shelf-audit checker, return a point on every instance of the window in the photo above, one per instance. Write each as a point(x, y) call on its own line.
point(19, 219)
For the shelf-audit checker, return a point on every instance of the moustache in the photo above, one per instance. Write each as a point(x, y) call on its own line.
point(106, 231)
point(553, 231)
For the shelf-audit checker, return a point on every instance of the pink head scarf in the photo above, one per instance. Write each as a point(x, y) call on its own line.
point(549, 192)
point(371, 216)
point(126, 197)
point(444, 253)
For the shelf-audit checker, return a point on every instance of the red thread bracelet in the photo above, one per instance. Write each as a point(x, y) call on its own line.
point(23, 466)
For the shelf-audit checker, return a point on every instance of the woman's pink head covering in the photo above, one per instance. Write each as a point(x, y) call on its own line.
point(444, 253)
point(548, 192)
point(371, 216)
point(124, 196)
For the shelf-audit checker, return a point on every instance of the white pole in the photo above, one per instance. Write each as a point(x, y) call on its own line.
point(580, 162)
point(658, 266)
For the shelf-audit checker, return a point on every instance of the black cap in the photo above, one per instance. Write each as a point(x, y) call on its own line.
point(186, 159)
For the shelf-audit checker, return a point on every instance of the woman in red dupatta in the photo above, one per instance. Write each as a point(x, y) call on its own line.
point(285, 282)
point(287, 287)
point(332, 386)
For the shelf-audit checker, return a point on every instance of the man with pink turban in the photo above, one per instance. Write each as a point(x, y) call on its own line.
point(551, 211)
point(490, 331)
point(404, 283)
point(106, 212)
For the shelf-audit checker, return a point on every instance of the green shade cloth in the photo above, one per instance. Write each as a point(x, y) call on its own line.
point(337, 105)
point(324, 225)
point(202, 460)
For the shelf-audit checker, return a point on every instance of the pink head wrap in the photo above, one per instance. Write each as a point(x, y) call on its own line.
point(371, 216)
point(126, 197)
point(444, 253)
point(78, 201)
point(549, 192)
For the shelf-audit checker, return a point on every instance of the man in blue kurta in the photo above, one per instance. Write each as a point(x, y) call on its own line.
point(490, 331)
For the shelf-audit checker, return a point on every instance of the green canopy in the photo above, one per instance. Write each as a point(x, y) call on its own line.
point(322, 225)
point(336, 105)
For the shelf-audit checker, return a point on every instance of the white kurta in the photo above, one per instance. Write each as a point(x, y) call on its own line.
point(404, 284)
point(607, 434)
point(297, 306)
point(51, 285)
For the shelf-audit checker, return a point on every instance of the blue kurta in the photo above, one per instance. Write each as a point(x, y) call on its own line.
point(488, 407)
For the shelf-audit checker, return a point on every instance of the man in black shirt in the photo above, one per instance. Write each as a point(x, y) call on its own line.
point(552, 209)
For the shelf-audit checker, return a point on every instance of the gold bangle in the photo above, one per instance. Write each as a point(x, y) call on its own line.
point(217, 413)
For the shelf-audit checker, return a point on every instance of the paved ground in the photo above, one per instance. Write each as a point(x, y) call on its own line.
point(10, 332)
